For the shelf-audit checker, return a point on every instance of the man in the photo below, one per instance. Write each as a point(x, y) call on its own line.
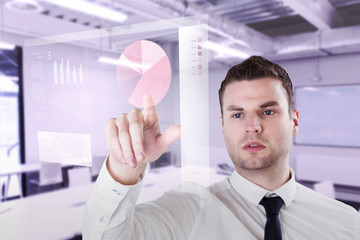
point(258, 121)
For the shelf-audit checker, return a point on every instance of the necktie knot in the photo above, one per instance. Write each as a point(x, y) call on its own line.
point(272, 205)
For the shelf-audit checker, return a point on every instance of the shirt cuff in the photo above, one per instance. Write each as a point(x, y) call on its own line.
point(114, 191)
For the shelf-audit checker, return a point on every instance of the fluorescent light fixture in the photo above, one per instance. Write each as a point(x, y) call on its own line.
point(24, 6)
point(297, 49)
point(107, 60)
point(310, 89)
point(135, 66)
point(91, 9)
point(225, 50)
point(6, 46)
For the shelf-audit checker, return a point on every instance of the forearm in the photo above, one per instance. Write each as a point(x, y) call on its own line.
point(110, 208)
point(111, 212)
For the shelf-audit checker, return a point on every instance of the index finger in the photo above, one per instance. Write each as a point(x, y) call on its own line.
point(149, 112)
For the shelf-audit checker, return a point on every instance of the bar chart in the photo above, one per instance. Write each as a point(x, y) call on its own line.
point(67, 73)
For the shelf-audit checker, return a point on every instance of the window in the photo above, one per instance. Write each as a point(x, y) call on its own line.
point(10, 105)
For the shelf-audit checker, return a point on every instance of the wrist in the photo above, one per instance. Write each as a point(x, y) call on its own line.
point(124, 174)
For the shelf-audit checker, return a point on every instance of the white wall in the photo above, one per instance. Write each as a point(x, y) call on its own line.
point(342, 69)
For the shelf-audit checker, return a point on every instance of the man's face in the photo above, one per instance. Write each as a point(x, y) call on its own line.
point(256, 124)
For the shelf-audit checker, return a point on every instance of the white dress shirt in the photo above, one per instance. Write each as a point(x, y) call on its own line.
point(228, 210)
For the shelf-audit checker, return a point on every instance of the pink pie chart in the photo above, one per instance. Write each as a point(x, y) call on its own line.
point(143, 68)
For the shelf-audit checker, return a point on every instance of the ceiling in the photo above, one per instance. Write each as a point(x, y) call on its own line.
point(277, 29)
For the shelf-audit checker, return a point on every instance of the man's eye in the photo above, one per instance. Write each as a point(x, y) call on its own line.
point(269, 112)
point(237, 115)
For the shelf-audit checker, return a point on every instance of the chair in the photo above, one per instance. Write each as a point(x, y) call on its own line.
point(326, 188)
point(50, 177)
point(50, 173)
point(79, 176)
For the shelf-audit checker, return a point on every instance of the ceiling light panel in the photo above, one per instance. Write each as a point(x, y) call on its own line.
point(90, 8)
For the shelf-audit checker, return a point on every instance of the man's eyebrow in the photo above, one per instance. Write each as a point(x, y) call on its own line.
point(269, 104)
point(235, 108)
point(264, 105)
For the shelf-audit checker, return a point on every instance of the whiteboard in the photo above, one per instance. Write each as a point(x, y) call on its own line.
point(329, 115)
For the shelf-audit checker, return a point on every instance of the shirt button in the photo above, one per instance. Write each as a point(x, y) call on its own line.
point(120, 193)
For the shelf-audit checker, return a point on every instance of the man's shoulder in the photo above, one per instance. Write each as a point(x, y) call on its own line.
point(317, 201)
point(220, 186)
point(194, 188)
point(195, 191)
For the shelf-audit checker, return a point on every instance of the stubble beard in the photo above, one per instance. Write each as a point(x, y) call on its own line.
point(254, 162)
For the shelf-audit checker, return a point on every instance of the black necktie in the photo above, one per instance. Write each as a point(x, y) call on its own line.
point(272, 208)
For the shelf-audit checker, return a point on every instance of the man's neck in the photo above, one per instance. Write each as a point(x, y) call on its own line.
point(269, 178)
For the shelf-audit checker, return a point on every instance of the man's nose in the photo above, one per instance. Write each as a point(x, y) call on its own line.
point(253, 124)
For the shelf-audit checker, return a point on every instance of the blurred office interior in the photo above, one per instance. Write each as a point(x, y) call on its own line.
point(60, 80)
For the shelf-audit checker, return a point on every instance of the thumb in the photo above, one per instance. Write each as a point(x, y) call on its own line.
point(170, 135)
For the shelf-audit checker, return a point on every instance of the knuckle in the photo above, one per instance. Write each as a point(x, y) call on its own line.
point(110, 121)
point(151, 118)
point(110, 126)
point(122, 117)
point(135, 117)
point(122, 122)
point(134, 111)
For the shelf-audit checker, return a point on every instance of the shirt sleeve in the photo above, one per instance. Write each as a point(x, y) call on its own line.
point(111, 211)
point(110, 208)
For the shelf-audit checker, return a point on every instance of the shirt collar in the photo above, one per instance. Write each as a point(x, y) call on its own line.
point(254, 193)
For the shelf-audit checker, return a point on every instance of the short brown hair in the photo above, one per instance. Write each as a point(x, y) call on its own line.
point(257, 67)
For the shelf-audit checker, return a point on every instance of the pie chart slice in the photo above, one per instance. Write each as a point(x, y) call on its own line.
point(143, 68)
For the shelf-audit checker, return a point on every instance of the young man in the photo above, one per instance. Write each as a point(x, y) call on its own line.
point(258, 121)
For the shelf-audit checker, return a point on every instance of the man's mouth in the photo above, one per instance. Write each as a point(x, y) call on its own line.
point(253, 147)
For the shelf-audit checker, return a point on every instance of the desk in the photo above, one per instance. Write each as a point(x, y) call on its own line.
point(52, 215)
point(59, 214)
point(17, 169)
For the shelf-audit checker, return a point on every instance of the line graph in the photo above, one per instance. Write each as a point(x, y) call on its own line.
point(68, 148)
point(72, 106)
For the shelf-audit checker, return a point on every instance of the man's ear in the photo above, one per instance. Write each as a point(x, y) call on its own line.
point(295, 119)
point(222, 123)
